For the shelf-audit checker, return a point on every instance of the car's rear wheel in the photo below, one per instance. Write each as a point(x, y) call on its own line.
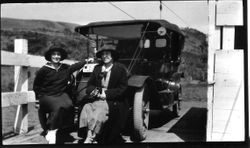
point(176, 106)
point(176, 110)
point(141, 114)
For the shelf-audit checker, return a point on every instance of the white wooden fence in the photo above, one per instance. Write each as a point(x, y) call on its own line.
point(225, 102)
point(21, 96)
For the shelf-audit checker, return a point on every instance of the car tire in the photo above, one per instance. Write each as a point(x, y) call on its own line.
point(176, 110)
point(176, 106)
point(141, 114)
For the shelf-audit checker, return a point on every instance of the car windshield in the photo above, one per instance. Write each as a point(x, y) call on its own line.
point(125, 48)
point(119, 32)
point(149, 48)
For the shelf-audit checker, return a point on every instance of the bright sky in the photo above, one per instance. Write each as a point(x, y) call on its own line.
point(193, 14)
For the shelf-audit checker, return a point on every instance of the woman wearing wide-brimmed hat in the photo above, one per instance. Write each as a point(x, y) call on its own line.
point(50, 87)
point(102, 119)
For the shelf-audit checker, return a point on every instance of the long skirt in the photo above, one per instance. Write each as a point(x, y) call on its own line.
point(118, 112)
point(94, 115)
point(56, 112)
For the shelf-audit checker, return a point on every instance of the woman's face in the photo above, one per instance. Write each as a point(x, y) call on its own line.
point(106, 57)
point(55, 57)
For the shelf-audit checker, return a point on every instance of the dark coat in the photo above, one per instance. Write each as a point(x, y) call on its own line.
point(50, 87)
point(118, 105)
point(118, 82)
point(49, 82)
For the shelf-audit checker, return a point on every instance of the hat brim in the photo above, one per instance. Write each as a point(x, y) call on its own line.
point(51, 50)
point(114, 53)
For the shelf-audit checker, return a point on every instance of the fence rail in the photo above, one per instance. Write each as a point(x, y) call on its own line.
point(21, 96)
point(17, 98)
point(17, 59)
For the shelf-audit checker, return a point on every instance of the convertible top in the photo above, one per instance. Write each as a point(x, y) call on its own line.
point(125, 29)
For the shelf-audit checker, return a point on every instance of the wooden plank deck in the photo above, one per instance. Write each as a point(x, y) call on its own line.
point(34, 137)
point(190, 126)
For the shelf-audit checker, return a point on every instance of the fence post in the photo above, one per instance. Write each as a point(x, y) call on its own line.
point(21, 84)
point(213, 44)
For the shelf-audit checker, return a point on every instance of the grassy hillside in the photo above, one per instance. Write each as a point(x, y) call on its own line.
point(36, 25)
point(194, 55)
point(41, 34)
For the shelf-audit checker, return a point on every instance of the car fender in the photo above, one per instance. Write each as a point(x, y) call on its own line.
point(137, 80)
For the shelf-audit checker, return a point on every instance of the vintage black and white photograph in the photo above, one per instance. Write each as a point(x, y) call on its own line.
point(118, 72)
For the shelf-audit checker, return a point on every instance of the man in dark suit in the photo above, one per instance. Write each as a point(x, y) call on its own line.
point(105, 115)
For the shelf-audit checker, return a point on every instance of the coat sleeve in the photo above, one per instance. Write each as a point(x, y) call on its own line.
point(121, 85)
point(38, 82)
point(76, 66)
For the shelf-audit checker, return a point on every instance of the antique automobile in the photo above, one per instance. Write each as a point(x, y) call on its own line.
point(150, 49)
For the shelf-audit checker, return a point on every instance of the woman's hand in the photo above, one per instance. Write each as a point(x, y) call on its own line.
point(102, 96)
point(98, 93)
point(94, 93)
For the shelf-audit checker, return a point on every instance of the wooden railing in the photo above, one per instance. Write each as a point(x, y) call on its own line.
point(21, 96)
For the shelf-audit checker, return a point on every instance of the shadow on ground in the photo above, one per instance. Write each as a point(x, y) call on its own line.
point(192, 125)
point(159, 118)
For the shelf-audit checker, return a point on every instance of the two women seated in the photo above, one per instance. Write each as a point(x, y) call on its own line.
point(103, 114)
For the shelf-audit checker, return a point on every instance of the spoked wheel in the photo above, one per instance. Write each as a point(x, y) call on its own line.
point(141, 114)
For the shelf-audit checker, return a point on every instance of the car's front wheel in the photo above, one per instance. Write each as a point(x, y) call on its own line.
point(141, 110)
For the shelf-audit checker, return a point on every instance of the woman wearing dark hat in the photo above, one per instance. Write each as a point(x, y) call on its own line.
point(50, 87)
point(102, 119)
